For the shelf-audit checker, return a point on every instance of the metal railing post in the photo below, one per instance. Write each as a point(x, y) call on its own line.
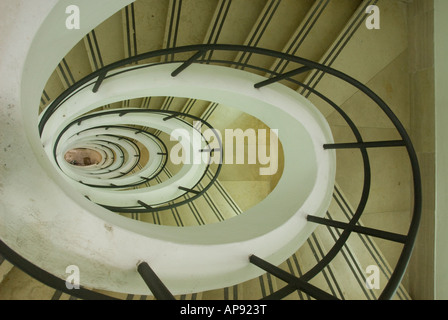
point(158, 289)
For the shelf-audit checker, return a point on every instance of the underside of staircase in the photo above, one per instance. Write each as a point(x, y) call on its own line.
point(333, 33)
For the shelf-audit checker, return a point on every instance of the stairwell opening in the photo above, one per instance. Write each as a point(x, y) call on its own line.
point(82, 157)
point(250, 162)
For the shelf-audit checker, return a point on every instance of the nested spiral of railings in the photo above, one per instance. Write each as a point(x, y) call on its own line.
point(105, 135)
point(115, 183)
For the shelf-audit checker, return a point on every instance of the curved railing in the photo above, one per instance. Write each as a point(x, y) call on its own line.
point(142, 206)
point(121, 173)
point(197, 55)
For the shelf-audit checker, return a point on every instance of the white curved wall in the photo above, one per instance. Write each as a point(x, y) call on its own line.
point(25, 34)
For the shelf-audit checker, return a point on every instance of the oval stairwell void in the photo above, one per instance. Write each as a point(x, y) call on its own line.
point(306, 184)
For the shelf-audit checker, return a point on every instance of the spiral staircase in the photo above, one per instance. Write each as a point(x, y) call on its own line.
point(342, 196)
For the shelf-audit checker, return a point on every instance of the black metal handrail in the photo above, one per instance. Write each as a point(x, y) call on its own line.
point(198, 51)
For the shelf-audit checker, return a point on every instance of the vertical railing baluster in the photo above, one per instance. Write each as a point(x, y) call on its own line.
point(158, 289)
point(187, 63)
point(99, 81)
